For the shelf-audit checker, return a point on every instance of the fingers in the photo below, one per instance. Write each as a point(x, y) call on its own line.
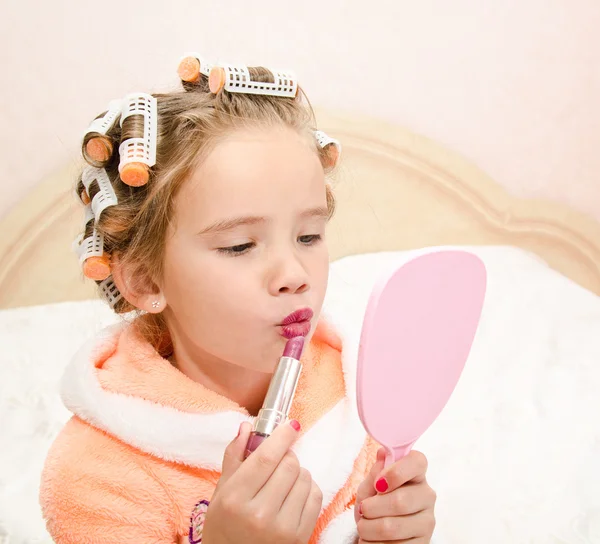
point(411, 468)
point(234, 453)
point(281, 482)
point(311, 512)
point(396, 528)
point(409, 499)
point(366, 488)
point(261, 464)
point(293, 505)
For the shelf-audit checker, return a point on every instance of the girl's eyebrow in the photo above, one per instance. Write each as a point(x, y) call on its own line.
point(224, 225)
point(320, 212)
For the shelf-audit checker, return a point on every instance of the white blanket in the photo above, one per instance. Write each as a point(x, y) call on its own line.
point(514, 457)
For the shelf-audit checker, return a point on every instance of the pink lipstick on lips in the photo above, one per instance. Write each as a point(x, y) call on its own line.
point(297, 323)
point(277, 403)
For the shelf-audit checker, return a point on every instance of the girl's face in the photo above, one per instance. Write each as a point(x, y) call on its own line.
point(246, 248)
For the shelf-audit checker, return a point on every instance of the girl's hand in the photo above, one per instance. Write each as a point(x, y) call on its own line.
point(265, 499)
point(396, 504)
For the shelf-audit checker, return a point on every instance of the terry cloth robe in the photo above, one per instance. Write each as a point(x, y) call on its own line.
point(145, 442)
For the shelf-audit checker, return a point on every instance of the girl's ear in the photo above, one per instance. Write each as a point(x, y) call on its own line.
point(136, 286)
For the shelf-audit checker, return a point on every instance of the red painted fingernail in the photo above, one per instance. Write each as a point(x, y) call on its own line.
point(295, 425)
point(381, 485)
point(360, 509)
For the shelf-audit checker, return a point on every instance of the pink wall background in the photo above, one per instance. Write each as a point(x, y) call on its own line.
point(512, 85)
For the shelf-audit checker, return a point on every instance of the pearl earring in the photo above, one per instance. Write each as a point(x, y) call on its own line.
point(155, 304)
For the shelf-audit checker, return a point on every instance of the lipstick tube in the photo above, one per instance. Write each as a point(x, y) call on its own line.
point(278, 401)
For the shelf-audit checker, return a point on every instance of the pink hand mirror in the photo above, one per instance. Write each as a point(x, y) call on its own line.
point(417, 333)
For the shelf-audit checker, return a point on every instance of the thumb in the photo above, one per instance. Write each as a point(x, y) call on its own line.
point(367, 488)
point(234, 453)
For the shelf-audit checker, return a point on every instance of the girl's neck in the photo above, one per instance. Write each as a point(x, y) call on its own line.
point(245, 387)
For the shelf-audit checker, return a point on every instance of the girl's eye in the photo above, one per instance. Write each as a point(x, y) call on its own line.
point(236, 250)
point(310, 239)
point(241, 249)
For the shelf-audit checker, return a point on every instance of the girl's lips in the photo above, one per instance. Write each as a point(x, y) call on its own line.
point(303, 314)
point(295, 329)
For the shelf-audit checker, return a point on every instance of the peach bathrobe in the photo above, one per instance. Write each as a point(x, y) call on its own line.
point(145, 442)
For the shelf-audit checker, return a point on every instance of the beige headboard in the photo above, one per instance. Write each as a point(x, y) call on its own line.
point(395, 190)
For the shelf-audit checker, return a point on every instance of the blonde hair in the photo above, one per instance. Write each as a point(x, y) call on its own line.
point(190, 122)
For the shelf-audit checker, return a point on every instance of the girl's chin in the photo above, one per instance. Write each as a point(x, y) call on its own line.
point(265, 357)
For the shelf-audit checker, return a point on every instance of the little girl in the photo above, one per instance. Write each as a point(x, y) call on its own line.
point(205, 213)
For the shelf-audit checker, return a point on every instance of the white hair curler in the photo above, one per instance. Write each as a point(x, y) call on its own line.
point(236, 79)
point(191, 66)
point(99, 147)
point(332, 147)
point(106, 196)
point(110, 292)
point(138, 155)
point(96, 263)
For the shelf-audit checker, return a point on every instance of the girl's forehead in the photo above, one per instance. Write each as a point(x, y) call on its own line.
point(255, 169)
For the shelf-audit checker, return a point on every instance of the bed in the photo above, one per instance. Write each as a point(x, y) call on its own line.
point(396, 190)
point(514, 455)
